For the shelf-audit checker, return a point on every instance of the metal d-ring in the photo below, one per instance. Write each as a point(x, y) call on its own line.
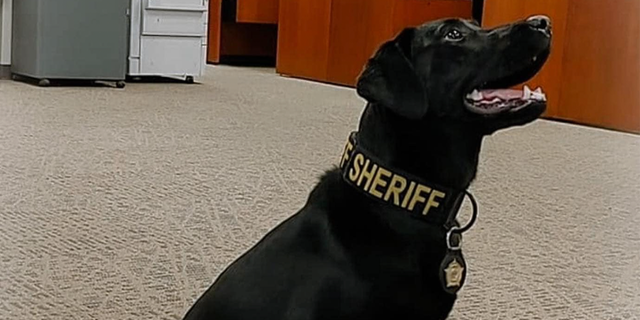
point(461, 230)
point(474, 214)
point(450, 246)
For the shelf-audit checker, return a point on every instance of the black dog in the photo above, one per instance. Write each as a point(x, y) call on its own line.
point(377, 238)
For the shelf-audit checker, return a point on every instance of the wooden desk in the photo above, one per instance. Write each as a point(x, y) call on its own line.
point(242, 29)
point(303, 38)
point(257, 11)
point(331, 40)
point(593, 75)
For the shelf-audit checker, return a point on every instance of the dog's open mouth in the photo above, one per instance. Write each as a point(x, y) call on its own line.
point(490, 97)
point(499, 100)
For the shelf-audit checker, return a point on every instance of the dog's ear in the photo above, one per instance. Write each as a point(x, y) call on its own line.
point(390, 79)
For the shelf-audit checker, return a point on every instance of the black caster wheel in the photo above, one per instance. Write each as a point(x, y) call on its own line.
point(15, 77)
point(120, 84)
point(189, 80)
point(44, 83)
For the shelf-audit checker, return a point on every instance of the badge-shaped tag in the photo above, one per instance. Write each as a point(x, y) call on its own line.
point(453, 271)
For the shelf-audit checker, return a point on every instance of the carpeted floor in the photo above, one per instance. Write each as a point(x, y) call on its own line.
point(126, 204)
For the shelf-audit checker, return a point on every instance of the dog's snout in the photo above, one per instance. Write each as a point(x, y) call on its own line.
point(540, 23)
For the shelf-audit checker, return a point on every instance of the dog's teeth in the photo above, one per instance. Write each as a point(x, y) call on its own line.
point(538, 95)
point(526, 93)
point(475, 95)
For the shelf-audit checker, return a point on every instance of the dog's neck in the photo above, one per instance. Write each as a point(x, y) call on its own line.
point(440, 151)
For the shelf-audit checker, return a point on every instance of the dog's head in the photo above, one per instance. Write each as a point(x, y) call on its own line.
point(456, 70)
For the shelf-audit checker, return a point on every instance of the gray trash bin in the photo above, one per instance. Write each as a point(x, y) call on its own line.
point(70, 39)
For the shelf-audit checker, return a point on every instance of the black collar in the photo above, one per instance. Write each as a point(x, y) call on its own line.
point(424, 200)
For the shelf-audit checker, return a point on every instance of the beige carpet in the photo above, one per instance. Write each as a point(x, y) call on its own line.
point(126, 204)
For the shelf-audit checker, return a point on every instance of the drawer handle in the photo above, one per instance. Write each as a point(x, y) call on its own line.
point(190, 9)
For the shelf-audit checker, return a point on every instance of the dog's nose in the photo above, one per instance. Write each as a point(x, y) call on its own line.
point(541, 23)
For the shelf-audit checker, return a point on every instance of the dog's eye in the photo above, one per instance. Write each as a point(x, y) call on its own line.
point(454, 35)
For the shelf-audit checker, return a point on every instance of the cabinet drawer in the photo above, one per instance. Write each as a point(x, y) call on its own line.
point(171, 55)
point(176, 4)
point(179, 23)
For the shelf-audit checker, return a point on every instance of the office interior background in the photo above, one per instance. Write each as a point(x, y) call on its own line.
point(146, 144)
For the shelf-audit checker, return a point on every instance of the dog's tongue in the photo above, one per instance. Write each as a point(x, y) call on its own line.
point(502, 94)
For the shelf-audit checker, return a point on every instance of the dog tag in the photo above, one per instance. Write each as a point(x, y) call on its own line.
point(453, 271)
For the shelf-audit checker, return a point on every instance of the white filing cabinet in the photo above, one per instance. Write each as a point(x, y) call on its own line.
point(168, 38)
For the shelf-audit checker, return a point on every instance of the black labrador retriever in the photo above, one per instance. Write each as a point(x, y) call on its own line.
point(378, 237)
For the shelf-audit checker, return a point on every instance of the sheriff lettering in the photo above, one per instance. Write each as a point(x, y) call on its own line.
point(386, 185)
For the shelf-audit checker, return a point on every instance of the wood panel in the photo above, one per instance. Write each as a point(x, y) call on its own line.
point(303, 38)
point(593, 75)
point(213, 38)
point(331, 40)
point(498, 12)
point(257, 11)
point(601, 84)
point(359, 27)
point(416, 12)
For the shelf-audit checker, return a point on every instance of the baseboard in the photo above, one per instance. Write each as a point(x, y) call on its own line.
point(5, 72)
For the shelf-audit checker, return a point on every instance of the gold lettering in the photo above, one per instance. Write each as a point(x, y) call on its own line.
point(407, 196)
point(417, 196)
point(367, 174)
point(432, 203)
point(397, 185)
point(378, 181)
point(355, 171)
point(346, 153)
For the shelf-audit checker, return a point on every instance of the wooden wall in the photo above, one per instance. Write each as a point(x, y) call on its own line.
point(593, 76)
point(303, 38)
point(213, 37)
point(331, 40)
point(601, 73)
